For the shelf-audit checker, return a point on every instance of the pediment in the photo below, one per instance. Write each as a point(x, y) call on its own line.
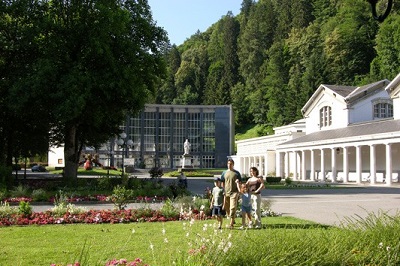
point(393, 88)
point(325, 92)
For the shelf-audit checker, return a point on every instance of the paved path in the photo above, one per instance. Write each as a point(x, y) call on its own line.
point(335, 205)
point(327, 206)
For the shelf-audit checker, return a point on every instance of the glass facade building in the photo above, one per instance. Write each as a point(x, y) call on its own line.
point(159, 132)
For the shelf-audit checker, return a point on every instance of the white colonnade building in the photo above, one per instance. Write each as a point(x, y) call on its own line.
point(348, 134)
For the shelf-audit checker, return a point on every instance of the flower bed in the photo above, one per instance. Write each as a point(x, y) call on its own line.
point(95, 198)
point(89, 217)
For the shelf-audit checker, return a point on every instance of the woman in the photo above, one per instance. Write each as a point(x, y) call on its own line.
point(256, 184)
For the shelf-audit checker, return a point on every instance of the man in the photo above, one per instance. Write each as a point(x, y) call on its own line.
point(231, 179)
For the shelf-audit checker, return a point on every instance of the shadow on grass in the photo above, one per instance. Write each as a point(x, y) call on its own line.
point(296, 226)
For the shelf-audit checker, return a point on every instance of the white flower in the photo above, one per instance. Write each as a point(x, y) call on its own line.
point(202, 207)
point(151, 246)
point(227, 247)
point(133, 231)
point(380, 245)
point(166, 240)
point(163, 231)
point(388, 248)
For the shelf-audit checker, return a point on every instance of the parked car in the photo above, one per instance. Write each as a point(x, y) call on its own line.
point(38, 168)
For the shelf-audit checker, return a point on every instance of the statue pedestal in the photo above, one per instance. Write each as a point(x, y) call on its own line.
point(186, 161)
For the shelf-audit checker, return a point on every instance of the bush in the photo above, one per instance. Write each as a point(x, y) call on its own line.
point(273, 179)
point(6, 210)
point(121, 197)
point(168, 210)
point(6, 177)
point(156, 172)
point(19, 191)
point(288, 181)
point(16, 167)
point(25, 208)
point(39, 195)
point(3, 194)
point(107, 183)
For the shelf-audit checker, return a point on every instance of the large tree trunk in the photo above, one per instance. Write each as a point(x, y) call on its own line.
point(71, 155)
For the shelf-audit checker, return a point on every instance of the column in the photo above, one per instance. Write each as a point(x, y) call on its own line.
point(248, 166)
point(322, 165)
point(358, 164)
point(261, 168)
point(287, 168)
point(345, 165)
point(303, 165)
point(266, 166)
point(278, 164)
point(312, 166)
point(388, 177)
point(333, 164)
point(295, 166)
point(372, 164)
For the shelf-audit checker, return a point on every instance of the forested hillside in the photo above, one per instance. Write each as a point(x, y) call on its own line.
point(268, 60)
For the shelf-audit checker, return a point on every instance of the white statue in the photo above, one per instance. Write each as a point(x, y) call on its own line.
point(186, 147)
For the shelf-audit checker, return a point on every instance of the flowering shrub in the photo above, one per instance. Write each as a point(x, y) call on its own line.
point(136, 262)
point(17, 199)
point(121, 196)
point(114, 262)
point(89, 217)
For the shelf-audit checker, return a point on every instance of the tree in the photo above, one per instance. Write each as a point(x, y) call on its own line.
point(167, 92)
point(22, 132)
point(386, 63)
point(99, 61)
point(348, 45)
point(190, 78)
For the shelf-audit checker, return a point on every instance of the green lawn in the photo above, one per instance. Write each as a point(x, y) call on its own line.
point(283, 241)
point(97, 244)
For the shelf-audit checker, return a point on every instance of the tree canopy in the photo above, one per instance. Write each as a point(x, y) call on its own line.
point(77, 68)
point(269, 59)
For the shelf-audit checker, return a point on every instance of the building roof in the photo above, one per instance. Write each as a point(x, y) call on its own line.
point(349, 94)
point(341, 90)
point(355, 130)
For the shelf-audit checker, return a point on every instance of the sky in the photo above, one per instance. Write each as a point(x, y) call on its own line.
point(182, 18)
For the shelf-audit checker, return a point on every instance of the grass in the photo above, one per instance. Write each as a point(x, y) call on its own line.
point(283, 241)
point(248, 132)
point(96, 171)
point(96, 244)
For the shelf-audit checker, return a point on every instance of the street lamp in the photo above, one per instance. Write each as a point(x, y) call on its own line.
point(110, 154)
point(124, 142)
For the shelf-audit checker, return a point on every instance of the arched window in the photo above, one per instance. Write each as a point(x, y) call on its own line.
point(383, 110)
point(325, 116)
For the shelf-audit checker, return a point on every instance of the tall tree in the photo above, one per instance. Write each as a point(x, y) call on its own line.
point(167, 92)
point(190, 79)
point(22, 132)
point(99, 61)
point(255, 39)
point(348, 45)
point(275, 85)
point(386, 63)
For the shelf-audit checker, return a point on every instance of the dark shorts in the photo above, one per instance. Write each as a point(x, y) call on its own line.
point(246, 209)
point(217, 211)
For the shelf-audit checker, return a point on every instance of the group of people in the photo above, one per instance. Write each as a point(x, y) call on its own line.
point(229, 189)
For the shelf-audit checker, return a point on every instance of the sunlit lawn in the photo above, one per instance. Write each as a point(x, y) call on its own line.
point(97, 244)
point(282, 241)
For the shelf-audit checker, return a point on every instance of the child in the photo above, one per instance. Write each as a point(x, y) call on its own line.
point(246, 206)
point(217, 201)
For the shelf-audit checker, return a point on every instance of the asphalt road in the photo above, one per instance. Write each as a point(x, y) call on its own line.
point(331, 206)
